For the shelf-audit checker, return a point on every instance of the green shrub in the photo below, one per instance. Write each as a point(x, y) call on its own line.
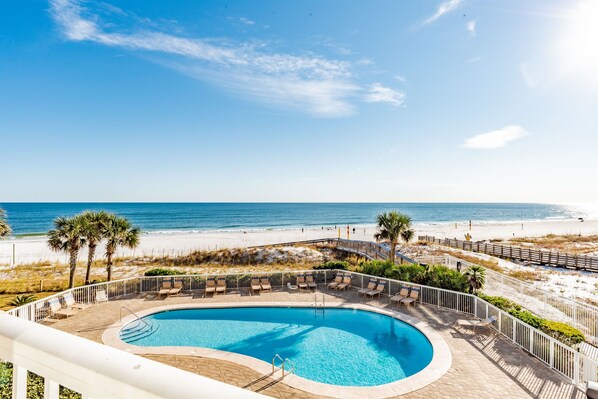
point(378, 268)
point(528, 317)
point(407, 272)
point(559, 331)
point(500, 302)
point(21, 300)
point(35, 385)
point(332, 265)
point(162, 272)
point(443, 277)
point(563, 332)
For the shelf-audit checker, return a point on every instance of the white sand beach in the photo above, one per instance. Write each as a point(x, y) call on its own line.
point(29, 250)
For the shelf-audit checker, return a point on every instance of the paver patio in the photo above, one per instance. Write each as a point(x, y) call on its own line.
point(483, 366)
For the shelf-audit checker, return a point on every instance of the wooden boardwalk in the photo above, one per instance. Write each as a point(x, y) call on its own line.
point(542, 257)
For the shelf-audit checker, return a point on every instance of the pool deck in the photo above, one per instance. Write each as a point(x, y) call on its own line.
point(483, 366)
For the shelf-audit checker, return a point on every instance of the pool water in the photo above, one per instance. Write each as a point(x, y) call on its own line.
point(340, 346)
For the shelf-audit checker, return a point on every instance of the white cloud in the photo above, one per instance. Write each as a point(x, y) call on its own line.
point(246, 21)
point(382, 94)
point(471, 27)
point(400, 78)
point(496, 138)
point(443, 8)
point(309, 83)
point(473, 59)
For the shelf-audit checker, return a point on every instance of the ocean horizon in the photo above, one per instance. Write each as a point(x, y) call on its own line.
point(29, 218)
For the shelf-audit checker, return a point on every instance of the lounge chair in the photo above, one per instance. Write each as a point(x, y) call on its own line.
point(301, 282)
point(475, 324)
point(346, 283)
point(166, 286)
point(402, 294)
point(379, 289)
point(101, 296)
point(176, 288)
point(412, 298)
point(255, 284)
point(221, 285)
point(210, 286)
point(70, 302)
point(371, 285)
point(337, 280)
point(311, 283)
point(57, 310)
point(265, 283)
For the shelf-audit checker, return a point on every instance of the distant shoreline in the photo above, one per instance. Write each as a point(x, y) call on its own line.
point(34, 249)
point(331, 228)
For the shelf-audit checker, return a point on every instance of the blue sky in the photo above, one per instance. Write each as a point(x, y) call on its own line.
point(299, 101)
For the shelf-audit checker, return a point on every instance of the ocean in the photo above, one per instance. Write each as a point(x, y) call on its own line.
point(32, 218)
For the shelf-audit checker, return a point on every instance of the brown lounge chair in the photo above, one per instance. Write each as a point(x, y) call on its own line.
point(166, 286)
point(255, 284)
point(57, 310)
point(337, 280)
point(346, 283)
point(371, 286)
point(311, 283)
point(265, 283)
point(379, 289)
point(412, 298)
point(402, 294)
point(301, 282)
point(221, 286)
point(177, 288)
point(210, 286)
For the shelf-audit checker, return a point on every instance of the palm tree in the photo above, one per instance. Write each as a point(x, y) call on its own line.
point(476, 276)
point(118, 232)
point(393, 226)
point(5, 229)
point(67, 236)
point(93, 233)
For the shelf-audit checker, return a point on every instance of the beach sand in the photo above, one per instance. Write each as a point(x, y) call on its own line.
point(30, 250)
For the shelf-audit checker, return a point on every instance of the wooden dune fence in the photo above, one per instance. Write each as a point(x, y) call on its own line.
point(543, 257)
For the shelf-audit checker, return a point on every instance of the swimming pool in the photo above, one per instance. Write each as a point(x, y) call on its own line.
point(339, 346)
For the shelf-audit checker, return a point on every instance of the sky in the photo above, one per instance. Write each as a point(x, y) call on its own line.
point(381, 101)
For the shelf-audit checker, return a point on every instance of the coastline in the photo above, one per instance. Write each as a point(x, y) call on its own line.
point(34, 249)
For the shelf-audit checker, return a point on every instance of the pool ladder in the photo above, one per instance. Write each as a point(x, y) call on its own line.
point(322, 305)
point(282, 365)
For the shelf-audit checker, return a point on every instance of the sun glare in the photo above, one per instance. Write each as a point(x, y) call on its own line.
point(578, 48)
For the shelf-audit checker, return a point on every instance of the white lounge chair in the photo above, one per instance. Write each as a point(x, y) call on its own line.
point(475, 324)
point(70, 302)
point(101, 296)
point(57, 310)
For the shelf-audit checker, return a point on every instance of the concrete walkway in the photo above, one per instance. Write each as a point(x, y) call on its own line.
point(482, 367)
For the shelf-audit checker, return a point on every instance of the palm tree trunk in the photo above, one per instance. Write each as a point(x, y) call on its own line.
point(73, 267)
point(393, 246)
point(90, 255)
point(109, 265)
